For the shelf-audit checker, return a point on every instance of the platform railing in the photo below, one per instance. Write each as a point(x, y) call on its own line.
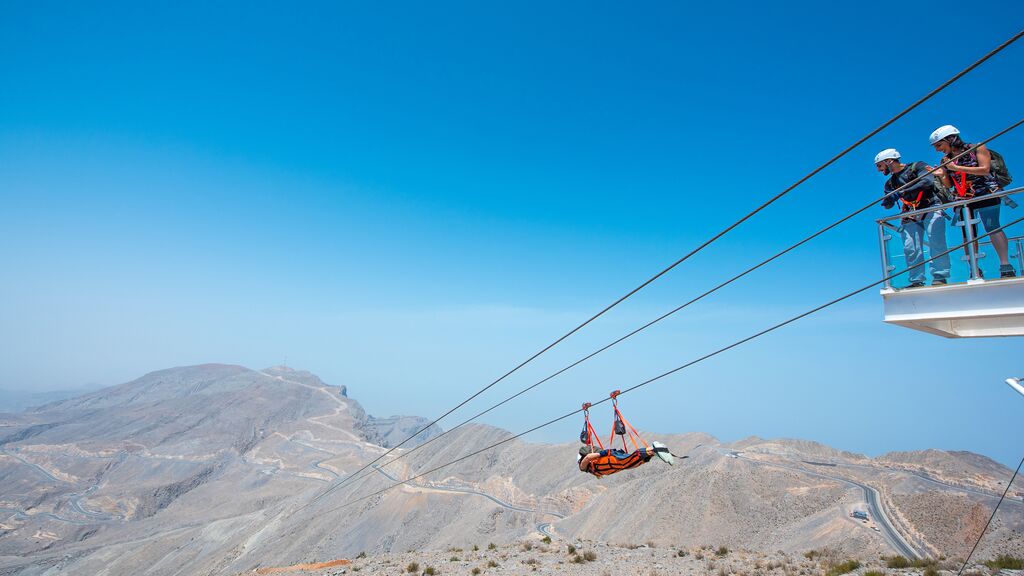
point(956, 216)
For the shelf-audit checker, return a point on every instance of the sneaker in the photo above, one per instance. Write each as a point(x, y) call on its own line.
point(938, 281)
point(1007, 271)
point(661, 451)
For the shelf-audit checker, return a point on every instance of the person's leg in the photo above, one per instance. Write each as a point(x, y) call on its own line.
point(989, 217)
point(935, 229)
point(913, 236)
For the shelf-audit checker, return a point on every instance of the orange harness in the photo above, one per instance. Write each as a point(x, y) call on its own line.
point(909, 206)
point(608, 463)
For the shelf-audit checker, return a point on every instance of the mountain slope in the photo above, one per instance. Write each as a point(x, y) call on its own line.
point(219, 469)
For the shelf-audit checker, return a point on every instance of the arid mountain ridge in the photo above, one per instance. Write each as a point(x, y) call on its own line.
point(219, 469)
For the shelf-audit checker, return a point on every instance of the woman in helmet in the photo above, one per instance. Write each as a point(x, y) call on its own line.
point(971, 177)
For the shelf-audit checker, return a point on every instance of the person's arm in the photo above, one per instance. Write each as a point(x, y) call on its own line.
point(942, 174)
point(983, 167)
point(586, 460)
point(926, 182)
point(889, 199)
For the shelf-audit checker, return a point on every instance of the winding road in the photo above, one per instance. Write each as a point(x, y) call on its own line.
point(921, 475)
point(891, 535)
point(74, 499)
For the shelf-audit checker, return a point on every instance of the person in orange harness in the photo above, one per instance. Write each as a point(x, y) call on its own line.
point(604, 462)
point(601, 462)
point(929, 227)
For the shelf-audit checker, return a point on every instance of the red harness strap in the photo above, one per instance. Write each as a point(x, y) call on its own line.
point(634, 436)
point(591, 433)
point(964, 188)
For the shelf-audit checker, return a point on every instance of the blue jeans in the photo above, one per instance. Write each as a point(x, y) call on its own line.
point(932, 229)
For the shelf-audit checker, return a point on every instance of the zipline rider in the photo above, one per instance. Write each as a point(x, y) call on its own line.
point(602, 462)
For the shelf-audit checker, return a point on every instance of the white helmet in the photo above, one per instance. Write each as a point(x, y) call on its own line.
point(941, 132)
point(887, 154)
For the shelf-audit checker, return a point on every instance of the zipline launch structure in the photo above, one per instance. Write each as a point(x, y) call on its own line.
point(975, 302)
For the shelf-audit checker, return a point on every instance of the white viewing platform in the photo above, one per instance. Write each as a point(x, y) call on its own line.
point(992, 308)
point(976, 302)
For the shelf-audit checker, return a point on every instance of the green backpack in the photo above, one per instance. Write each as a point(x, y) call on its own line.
point(999, 170)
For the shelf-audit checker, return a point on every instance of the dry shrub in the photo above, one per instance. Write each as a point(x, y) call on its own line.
point(1005, 562)
point(845, 567)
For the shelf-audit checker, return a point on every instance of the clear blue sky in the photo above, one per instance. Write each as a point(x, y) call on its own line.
point(411, 198)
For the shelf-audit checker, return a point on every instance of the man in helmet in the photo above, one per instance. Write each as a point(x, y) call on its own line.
point(971, 176)
point(604, 462)
point(913, 187)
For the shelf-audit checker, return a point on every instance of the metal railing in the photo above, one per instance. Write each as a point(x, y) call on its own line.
point(966, 221)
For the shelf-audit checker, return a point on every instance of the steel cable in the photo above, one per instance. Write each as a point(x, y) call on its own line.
point(705, 244)
point(996, 509)
point(677, 369)
point(354, 476)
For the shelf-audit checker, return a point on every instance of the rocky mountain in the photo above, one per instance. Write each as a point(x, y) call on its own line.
point(18, 401)
point(960, 466)
point(219, 469)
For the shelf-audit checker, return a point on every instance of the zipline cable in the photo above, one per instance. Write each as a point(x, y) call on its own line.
point(708, 242)
point(692, 301)
point(985, 529)
point(677, 369)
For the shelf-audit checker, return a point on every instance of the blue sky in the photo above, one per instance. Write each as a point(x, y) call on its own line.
point(410, 199)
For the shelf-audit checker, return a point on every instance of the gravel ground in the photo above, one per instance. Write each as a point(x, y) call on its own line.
point(599, 559)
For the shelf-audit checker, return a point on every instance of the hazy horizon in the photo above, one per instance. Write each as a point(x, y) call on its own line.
point(410, 200)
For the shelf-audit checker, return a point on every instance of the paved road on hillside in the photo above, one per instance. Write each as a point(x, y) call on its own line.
point(994, 496)
point(544, 529)
point(894, 538)
point(75, 499)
